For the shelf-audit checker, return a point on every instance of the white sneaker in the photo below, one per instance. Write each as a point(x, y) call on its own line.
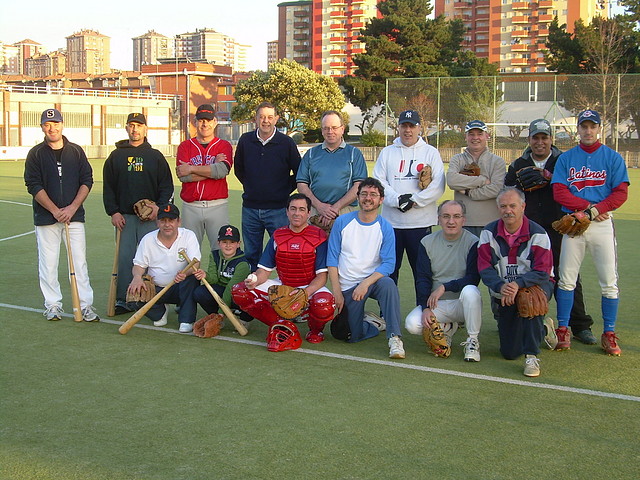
point(531, 366)
point(186, 327)
point(163, 320)
point(471, 350)
point(550, 336)
point(53, 313)
point(396, 348)
point(375, 320)
point(89, 314)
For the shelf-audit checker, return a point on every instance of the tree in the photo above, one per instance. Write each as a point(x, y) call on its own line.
point(300, 95)
point(598, 51)
point(403, 43)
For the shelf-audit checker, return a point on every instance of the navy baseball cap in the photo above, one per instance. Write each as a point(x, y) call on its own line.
point(591, 115)
point(539, 126)
point(50, 115)
point(409, 116)
point(168, 210)
point(206, 111)
point(137, 118)
point(479, 124)
point(229, 232)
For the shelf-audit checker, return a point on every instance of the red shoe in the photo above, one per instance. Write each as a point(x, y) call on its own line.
point(609, 344)
point(564, 338)
point(314, 337)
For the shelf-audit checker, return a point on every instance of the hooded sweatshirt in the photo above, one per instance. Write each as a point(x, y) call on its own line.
point(398, 168)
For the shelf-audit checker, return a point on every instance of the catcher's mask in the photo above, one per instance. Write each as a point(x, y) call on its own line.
point(283, 335)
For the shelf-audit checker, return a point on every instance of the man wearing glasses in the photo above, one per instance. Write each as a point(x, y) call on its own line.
point(360, 260)
point(330, 173)
point(447, 281)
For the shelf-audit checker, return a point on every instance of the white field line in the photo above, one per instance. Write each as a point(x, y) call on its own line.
point(387, 363)
point(16, 203)
point(21, 234)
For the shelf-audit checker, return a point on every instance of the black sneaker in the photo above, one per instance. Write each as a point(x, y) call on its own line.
point(122, 308)
point(586, 337)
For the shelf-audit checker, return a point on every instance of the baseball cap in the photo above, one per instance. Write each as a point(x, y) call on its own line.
point(137, 118)
point(589, 115)
point(479, 124)
point(50, 115)
point(409, 116)
point(229, 232)
point(539, 126)
point(206, 111)
point(168, 210)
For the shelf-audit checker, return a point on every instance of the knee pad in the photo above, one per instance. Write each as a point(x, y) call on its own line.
point(322, 307)
point(254, 304)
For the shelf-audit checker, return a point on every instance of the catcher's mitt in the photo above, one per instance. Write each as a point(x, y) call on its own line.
point(532, 302)
point(144, 209)
point(436, 340)
point(288, 302)
point(532, 178)
point(572, 224)
point(425, 177)
point(143, 295)
point(315, 220)
point(471, 170)
point(208, 326)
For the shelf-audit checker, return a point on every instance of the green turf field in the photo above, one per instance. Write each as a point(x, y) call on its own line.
point(81, 401)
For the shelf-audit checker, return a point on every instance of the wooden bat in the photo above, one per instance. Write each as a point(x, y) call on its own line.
point(111, 302)
point(242, 330)
point(136, 317)
point(75, 297)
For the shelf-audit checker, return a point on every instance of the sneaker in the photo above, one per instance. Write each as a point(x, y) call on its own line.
point(314, 337)
point(531, 366)
point(122, 308)
point(609, 342)
point(376, 320)
point(564, 338)
point(163, 320)
point(89, 314)
point(186, 328)
point(53, 313)
point(550, 337)
point(586, 336)
point(396, 348)
point(471, 350)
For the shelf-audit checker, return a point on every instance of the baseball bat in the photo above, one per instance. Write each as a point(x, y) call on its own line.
point(75, 297)
point(136, 317)
point(242, 330)
point(111, 302)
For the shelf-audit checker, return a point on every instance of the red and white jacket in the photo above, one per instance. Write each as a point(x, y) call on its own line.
point(191, 152)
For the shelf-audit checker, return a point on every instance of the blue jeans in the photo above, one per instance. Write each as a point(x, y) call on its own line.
point(254, 222)
point(179, 294)
point(408, 239)
point(386, 293)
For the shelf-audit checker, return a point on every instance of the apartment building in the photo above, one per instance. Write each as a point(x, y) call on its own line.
point(147, 48)
point(295, 31)
point(47, 64)
point(513, 34)
point(208, 46)
point(88, 51)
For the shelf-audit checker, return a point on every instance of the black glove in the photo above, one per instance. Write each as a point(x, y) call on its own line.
point(405, 203)
point(531, 179)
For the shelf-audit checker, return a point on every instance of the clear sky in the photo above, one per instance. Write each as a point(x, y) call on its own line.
point(250, 22)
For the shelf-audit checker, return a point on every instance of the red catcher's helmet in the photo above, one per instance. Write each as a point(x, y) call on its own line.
point(283, 335)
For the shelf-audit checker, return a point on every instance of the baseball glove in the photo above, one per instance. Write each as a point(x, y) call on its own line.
point(288, 302)
point(532, 178)
point(208, 326)
point(425, 177)
point(315, 220)
point(572, 224)
point(472, 169)
point(143, 295)
point(436, 340)
point(532, 302)
point(144, 209)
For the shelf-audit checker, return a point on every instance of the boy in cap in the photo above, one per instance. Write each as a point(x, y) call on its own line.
point(227, 267)
point(59, 177)
point(202, 164)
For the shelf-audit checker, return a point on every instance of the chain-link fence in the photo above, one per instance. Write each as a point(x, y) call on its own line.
point(509, 103)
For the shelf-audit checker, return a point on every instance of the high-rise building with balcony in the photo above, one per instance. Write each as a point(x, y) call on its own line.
point(513, 34)
point(272, 52)
point(149, 47)
point(294, 31)
point(88, 51)
point(208, 46)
